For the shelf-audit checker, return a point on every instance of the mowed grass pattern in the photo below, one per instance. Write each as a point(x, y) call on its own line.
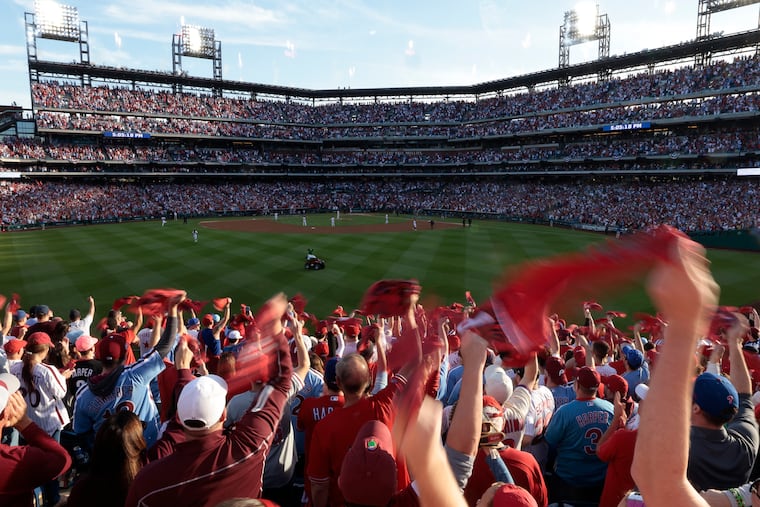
point(62, 266)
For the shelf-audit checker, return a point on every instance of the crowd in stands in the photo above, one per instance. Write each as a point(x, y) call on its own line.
point(395, 403)
point(700, 143)
point(660, 85)
point(690, 205)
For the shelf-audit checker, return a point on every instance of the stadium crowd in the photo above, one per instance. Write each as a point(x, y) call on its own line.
point(659, 86)
point(394, 403)
point(690, 205)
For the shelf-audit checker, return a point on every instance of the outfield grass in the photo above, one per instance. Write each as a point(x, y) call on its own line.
point(61, 267)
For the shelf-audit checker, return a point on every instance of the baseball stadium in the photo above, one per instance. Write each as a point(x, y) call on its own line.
point(478, 281)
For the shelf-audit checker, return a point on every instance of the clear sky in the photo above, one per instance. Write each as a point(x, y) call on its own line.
point(352, 43)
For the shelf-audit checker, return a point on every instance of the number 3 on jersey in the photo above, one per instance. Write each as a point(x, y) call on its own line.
point(592, 435)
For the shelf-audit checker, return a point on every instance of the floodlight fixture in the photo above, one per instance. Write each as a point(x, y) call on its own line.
point(585, 19)
point(198, 42)
point(56, 21)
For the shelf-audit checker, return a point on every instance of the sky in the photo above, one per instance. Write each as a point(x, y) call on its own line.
point(321, 44)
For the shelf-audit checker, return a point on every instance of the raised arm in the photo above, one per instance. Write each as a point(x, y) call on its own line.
point(739, 377)
point(685, 291)
point(464, 430)
point(165, 343)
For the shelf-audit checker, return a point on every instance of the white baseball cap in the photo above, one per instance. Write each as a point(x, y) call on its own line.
point(9, 384)
point(234, 335)
point(201, 402)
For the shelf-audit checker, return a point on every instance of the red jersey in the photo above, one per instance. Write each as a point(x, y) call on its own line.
point(311, 411)
point(334, 435)
point(521, 465)
point(617, 451)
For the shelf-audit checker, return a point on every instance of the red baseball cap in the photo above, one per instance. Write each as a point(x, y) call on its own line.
point(39, 338)
point(511, 495)
point(14, 345)
point(588, 378)
point(112, 348)
point(368, 474)
point(555, 369)
point(616, 384)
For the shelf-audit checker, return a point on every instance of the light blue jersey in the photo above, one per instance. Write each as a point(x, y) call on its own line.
point(131, 391)
point(574, 432)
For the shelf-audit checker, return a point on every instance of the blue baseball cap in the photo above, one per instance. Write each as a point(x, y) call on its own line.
point(716, 396)
point(193, 322)
point(633, 356)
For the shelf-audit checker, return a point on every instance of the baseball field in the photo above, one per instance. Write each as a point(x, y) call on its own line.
point(250, 259)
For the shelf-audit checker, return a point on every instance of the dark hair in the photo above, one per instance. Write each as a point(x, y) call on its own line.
point(118, 454)
point(600, 348)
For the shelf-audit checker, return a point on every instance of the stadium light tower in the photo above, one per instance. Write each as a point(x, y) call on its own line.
point(196, 42)
point(584, 24)
point(52, 20)
point(705, 10)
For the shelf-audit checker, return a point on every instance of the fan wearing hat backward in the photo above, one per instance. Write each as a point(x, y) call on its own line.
point(573, 433)
point(196, 460)
point(24, 467)
point(124, 387)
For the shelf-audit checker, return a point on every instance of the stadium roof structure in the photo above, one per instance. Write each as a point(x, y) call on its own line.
point(723, 44)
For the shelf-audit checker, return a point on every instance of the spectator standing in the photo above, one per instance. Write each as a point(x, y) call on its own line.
point(41, 459)
point(574, 432)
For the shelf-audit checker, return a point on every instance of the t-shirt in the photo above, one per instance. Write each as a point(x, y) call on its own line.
point(562, 395)
point(334, 435)
point(723, 458)
point(574, 432)
point(281, 459)
point(522, 467)
point(83, 370)
point(617, 452)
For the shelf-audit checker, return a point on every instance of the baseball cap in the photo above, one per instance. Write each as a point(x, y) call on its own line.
point(207, 319)
point(9, 384)
point(641, 391)
point(193, 322)
point(498, 384)
point(579, 353)
point(201, 402)
point(368, 474)
point(216, 317)
point(555, 369)
point(39, 338)
point(13, 345)
point(85, 343)
point(41, 310)
point(588, 378)
point(716, 396)
point(111, 348)
point(321, 349)
point(512, 495)
point(20, 314)
point(616, 384)
point(633, 356)
point(234, 335)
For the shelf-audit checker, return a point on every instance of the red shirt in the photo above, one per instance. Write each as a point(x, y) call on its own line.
point(24, 467)
point(334, 435)
point(521, 465)
point(311, 411)
point(617, 451)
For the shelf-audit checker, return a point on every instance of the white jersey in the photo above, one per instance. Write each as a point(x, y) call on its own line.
point(82, 324)
point(45, 401)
